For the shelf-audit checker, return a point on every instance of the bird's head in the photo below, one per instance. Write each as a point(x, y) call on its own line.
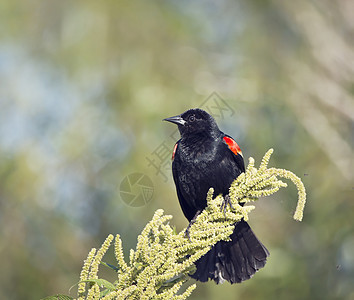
point(195, 122)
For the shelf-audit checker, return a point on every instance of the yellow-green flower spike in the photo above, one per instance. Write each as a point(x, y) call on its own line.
point(162, 260)
point(84, 275)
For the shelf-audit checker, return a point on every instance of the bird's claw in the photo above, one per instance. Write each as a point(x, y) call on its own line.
point(186, 233)
point(227, 201)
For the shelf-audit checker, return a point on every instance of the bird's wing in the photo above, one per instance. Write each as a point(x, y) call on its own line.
point(188, 211)
point(236, 150)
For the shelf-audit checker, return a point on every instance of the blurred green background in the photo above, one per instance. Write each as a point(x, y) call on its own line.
point(84, 86)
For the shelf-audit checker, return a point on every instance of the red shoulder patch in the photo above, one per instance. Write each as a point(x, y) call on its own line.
point(174, 151)
point(233, 146)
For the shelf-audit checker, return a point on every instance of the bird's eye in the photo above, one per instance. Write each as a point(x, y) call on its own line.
point(191, 118)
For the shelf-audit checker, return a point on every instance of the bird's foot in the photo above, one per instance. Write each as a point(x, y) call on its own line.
point(186, 233)
point(227, 201)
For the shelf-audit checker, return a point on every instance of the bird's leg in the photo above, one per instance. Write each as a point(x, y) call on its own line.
point(186, 233)
point(227, 201)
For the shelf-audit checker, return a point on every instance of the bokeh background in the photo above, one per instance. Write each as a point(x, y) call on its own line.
point(84, 86)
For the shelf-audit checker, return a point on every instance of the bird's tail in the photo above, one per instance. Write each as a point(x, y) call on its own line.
point(234, 261)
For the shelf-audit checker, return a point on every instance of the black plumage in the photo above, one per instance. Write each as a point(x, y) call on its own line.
point(205, 157)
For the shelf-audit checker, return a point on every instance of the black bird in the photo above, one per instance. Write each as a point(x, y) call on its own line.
point(205, 157)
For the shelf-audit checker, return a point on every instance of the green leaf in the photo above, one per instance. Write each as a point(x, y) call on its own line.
point(114, 268)
point(102, 283)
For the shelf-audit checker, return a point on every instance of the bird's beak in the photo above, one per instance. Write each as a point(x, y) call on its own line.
point(176, 120)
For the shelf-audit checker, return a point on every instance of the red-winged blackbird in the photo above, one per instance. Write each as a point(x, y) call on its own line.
point(205, 157)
